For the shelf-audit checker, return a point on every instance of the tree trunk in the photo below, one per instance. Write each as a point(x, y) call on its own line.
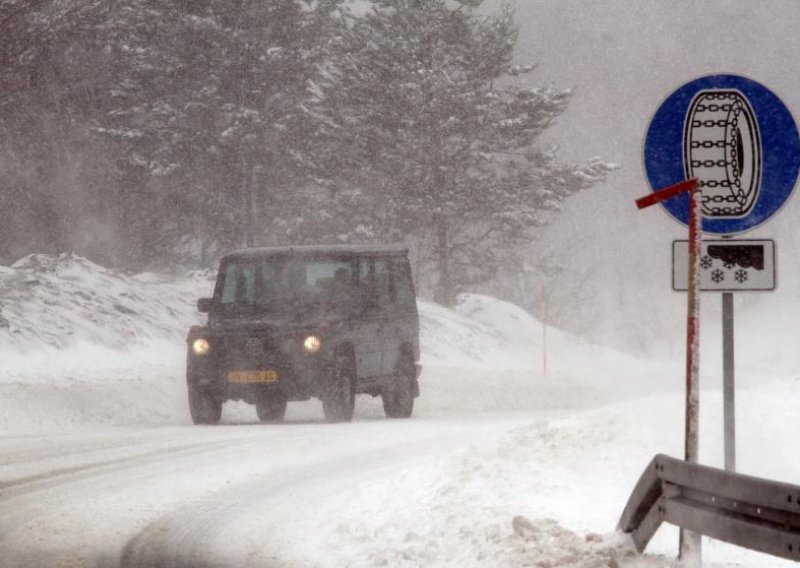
point(250, 205)
point(444, 293)
point(246, 202)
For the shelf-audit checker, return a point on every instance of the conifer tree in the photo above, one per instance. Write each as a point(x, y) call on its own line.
point(209, 109)
point(426, 101)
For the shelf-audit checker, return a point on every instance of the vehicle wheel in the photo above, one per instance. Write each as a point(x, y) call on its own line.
point(340, 393)
point(398, 400)
point(271, 407)
point(204, 407)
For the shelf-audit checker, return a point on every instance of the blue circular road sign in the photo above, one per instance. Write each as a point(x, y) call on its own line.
point(736, 137)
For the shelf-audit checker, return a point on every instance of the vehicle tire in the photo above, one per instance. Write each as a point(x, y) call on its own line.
point(204, 407)
point(340, 392)
point(271, 407)
point(398, 399)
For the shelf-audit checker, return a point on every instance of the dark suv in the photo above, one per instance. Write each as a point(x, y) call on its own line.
point(290, 323)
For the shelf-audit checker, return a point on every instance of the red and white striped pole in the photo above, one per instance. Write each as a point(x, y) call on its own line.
point(690, 543)
point(693, 327)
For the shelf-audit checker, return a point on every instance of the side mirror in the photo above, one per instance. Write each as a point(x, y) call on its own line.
point(204, 305)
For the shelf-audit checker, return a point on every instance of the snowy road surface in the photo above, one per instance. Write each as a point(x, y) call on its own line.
point(501, 489)
point(228, 495)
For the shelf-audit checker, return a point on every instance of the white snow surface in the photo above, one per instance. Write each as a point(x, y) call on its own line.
point(503, 464)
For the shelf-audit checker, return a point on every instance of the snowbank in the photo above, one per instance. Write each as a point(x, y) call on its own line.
point(65, 300)
point(84, 344)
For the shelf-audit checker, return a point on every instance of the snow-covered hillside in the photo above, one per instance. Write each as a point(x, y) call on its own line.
point(91, 352)
point(82, 344)
point(63, 301)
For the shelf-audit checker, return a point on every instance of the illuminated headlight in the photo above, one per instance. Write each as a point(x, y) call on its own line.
point(200, 346)
point(312, 344)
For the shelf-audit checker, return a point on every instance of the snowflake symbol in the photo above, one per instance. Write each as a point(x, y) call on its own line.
point(741, 276)
point(717, 276)
point(706, 262)
point(729, 265)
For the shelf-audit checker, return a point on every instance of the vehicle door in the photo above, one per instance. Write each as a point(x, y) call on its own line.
point(367, 333)
point(386, 311)
point(402, 322)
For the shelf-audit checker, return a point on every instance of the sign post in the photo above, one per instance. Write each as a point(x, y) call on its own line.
point(728, 396)
point(690, 543)
point(740, 146)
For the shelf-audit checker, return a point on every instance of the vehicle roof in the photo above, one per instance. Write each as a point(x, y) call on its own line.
point(317, 250)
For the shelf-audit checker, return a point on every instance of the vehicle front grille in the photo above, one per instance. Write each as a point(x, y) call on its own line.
point(251, 352)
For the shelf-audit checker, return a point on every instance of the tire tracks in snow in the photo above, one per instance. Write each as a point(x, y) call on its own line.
point(186, 538)
point(46, 480)
point(207, 497)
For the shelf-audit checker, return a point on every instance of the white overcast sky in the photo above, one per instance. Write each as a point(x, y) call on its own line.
point(625, 57)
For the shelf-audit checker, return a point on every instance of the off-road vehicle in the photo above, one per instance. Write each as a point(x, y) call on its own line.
point(291, 323)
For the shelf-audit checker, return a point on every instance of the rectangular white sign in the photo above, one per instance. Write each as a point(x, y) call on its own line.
point(727, 265)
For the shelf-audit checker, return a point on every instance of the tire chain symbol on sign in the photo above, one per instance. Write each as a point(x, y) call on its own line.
point(722, 148)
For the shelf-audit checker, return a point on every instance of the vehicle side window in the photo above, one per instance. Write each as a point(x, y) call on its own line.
point(267, 285)
point(365, 282)
point(328, 274)
point(403, 285)
point(383, 288)
point(239, 284)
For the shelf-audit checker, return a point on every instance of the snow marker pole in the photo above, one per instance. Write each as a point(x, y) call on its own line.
point(690, 542)
point(693, 329)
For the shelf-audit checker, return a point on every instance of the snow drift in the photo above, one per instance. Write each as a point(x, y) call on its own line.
point(82, 343)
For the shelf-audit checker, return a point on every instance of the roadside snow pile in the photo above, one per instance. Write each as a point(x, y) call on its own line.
point(84, 344)
point(546, 494)
point(60, 301)
point(490, 354)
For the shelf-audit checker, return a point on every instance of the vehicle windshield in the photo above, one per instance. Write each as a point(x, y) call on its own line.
point(290, 286)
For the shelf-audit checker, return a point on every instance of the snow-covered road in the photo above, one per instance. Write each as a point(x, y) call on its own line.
point(445, 488)
point(229, 495)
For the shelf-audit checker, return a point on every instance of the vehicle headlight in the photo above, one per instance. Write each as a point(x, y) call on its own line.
point(201, 346)
point(312, 344)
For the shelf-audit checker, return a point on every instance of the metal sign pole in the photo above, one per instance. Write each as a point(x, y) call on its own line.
point(729, 401)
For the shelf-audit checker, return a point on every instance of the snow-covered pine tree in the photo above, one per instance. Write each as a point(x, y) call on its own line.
point(425, 99)
point(52, 169)
point(209, 107)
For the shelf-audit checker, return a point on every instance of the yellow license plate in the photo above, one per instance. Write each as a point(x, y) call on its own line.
point(252, 376)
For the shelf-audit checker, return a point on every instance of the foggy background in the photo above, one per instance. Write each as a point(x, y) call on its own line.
point(625, 58)
point(600, 267)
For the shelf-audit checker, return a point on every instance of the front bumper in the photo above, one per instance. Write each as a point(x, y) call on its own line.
point(238, 367)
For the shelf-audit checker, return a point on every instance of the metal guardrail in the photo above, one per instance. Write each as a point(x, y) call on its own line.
point(747, 511)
